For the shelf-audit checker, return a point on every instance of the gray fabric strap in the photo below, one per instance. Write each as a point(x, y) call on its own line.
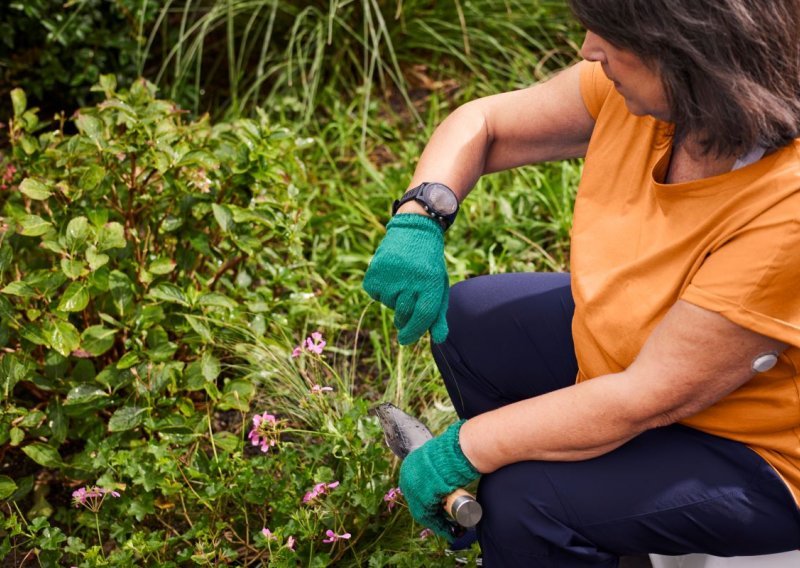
point(751, 157)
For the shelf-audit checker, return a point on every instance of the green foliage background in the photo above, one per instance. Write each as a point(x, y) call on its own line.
point(189, 189)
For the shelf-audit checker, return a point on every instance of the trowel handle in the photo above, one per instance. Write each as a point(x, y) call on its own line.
point(463, 508)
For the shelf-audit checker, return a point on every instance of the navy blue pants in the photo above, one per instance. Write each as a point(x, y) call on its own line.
point(671, 490)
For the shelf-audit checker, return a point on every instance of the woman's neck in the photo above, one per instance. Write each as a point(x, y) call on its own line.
point(688, 163)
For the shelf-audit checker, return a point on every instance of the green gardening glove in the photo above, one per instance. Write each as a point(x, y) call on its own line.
point(430, 473)
point(408, 274)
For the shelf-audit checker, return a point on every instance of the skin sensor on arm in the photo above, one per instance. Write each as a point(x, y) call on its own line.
point(764, 362)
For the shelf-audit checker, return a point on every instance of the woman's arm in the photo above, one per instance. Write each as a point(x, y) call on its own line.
point(693, 358)
point(548, 121)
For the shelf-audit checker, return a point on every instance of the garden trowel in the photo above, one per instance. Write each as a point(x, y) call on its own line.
point(404, 434)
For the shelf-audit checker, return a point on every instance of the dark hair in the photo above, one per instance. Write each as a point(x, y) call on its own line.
point(730, 68)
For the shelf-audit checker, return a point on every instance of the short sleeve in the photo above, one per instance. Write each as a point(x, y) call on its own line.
point(595, 87)
point(753, 279)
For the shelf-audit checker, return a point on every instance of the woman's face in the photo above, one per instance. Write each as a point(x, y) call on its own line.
point(638, 82)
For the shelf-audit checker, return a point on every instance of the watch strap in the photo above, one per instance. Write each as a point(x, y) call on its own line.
point(416, 192)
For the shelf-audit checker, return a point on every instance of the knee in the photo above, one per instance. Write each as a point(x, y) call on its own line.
point(464, 296)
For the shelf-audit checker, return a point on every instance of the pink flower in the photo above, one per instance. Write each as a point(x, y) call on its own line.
point(92, 497)
point(290, 542)
point(264, 432)
point(425, 533)
point(319, 489)
point(392, 497)
point(268, 534)
point(258, 419)
point(333, 537)
point(314, 343)
point(316, 389)
point(8, 176)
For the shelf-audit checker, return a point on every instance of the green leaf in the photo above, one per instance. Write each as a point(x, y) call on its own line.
point(29, 144)
point(227, 441)
point(217, 300)
point(223, 216)
point(34, 333)
point(72, 268)
point(97, 339)
point(30, 120)
point(46, 281)
point(169, 293)
point(6, 256)
point(126, 418)
point(6, 309)
point(74, 299)
point(200, 158)
point(97, 217)
point(12, 370)
point(121, 291)
point(34, 189)
point(94, 258)
point(194, 376)
point(148, 315)
point(237, 395)
point(43, 454)
point(111, 235)
point(63, 337)
point(16, 436)
point(171, 224)
point(210, 367)
point(51, 243)
point(19, 101)
point(83, 394)
point(77, 231)
point(91, 126)
point(128, 360)
point(19, 288)
point(199, 327)
point(92, 177)
point(7, 486)
point(33, 226)
point(108, 83)
point(162, 265)
point(57, 421)
point(247, 243)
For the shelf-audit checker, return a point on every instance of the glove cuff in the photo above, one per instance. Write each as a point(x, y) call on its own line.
point(416, 221)
point(461, 466)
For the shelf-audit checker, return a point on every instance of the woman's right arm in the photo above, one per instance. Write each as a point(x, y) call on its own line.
point(548, 121)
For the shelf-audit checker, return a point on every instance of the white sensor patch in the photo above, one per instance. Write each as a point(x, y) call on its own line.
point(764, 362)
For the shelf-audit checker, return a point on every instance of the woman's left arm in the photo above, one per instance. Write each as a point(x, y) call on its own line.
point(693, 358)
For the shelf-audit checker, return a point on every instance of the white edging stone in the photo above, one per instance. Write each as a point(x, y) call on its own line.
point(783, 560)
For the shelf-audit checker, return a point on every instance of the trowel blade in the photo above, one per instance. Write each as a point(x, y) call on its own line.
point(403, 432)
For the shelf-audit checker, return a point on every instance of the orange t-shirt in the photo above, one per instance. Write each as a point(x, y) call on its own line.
point(729, 244)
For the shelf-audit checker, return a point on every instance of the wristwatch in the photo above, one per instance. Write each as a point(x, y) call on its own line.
point(438, 200)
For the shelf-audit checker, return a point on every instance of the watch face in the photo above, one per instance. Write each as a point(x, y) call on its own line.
point(442, 198)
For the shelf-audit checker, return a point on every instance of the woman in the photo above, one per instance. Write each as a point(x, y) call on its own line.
point(680, 317)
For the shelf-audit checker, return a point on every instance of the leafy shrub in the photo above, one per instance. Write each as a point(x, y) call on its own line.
point(149, 271)
point(58, 50)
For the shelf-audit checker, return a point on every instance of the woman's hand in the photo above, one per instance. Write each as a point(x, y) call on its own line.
point(408, 274)
point(430, 473)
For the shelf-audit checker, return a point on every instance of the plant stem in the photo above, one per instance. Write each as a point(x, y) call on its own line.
point(99, 536)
